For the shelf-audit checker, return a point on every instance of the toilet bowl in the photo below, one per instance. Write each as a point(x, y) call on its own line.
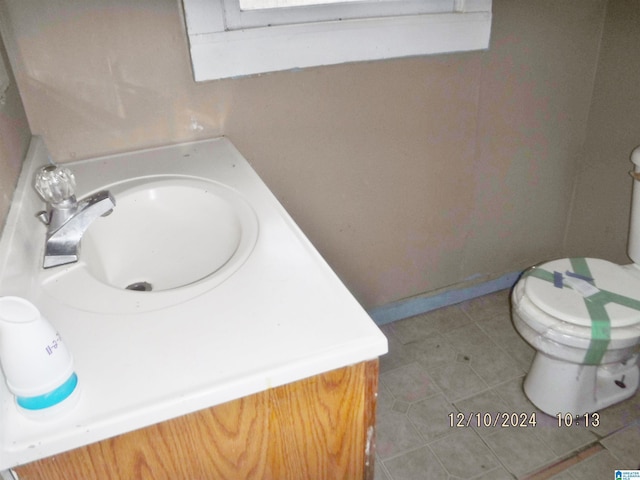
point(582, 315)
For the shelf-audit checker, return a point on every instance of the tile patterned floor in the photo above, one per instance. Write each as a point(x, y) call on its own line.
point(469, 358)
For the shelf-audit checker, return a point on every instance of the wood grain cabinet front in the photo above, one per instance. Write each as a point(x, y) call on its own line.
point(319, 428)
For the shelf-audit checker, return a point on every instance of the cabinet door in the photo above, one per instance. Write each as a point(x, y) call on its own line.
point(317, 428)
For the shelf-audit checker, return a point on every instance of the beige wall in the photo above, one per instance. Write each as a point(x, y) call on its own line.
point(600, 219)
point(408, 175)
point(14, 140)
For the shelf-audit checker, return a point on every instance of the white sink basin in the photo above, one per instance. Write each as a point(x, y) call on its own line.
point(232, 311)
point(169, 233)
point(169, 239)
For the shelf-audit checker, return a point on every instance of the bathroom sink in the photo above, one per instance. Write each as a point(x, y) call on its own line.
point(169, 239)
point(227, 296)
point(169, 233)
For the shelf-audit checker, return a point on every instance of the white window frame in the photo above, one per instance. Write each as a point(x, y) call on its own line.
point(228, 42)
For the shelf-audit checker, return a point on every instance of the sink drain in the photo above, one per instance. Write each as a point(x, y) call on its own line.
point(140, 287)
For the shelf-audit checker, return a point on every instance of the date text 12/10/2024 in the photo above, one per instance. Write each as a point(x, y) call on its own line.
point(513, 419)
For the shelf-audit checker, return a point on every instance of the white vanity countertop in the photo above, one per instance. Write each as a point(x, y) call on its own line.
point(283, 316)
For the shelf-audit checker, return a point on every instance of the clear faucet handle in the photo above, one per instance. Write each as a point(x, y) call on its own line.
point(55, 184)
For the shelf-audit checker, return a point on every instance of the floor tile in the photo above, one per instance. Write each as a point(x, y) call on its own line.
point(469, 339)
point(498, 474)
point(414, 465)
point(421, 326)
point(624, 445)
point(600, 466)
point(488, 405)
point(470, 359)
point(412, 329)
point(395, 434)
point(564, 440)
point(380, 472)
point(401, 406)
point(385, 399)
point(432, 353)
point(519, 450)
point(457, 381)
point(431, 417)
point(464, 454)
point(512, 393)
point(397, 355)
point(487, 306)
point(618, 416)
point(563, 476)
point(501, 331)
point(487, 358)
point(409, 383)
point(494, 366)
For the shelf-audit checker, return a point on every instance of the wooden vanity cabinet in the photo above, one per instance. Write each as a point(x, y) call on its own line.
point(319, 428)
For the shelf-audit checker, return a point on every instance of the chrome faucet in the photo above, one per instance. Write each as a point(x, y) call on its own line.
point(67, 219)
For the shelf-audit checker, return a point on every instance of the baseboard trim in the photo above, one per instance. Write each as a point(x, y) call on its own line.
point(417, 305)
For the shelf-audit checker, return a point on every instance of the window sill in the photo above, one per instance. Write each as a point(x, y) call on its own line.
point(238, 53)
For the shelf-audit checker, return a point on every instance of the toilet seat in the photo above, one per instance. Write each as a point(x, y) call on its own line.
point(566, 303)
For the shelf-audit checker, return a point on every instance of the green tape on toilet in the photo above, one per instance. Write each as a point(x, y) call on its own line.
point(595, 304)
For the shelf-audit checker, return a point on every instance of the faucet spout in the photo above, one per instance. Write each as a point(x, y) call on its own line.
point(63, 243)
point(68, 219)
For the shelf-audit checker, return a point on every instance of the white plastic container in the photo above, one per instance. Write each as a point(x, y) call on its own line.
point(37, 365)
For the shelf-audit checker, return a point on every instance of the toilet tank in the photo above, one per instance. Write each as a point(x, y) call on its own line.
point(634, 225)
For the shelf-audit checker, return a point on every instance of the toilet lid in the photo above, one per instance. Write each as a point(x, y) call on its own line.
point(562, 292)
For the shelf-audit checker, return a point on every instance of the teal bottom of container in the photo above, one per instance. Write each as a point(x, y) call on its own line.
point(51, 398)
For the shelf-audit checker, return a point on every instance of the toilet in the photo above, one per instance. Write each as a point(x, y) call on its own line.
point(582, 315)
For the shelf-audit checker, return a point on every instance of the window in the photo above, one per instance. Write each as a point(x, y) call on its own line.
point(230, 38)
